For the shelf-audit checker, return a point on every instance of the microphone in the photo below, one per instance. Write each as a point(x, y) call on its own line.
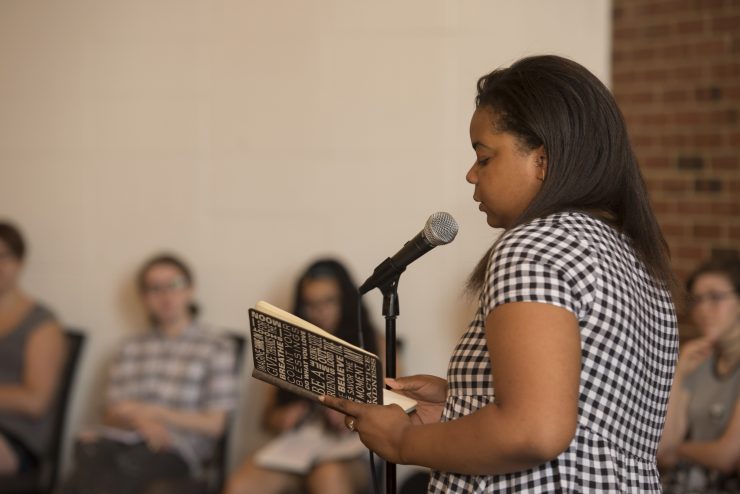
point(440, 229)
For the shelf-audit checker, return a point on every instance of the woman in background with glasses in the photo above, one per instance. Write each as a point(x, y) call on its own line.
point(700, 447)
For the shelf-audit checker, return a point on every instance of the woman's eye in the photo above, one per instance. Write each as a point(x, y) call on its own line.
point(482, 161)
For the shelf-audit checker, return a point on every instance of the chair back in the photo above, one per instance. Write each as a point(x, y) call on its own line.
point(219, 463)
point(42, 480)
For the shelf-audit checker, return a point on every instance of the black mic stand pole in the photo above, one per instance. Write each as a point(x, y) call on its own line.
point(390, 312)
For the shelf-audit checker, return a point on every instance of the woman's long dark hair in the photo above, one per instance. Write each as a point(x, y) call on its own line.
point(333, 269)
point(556, 103)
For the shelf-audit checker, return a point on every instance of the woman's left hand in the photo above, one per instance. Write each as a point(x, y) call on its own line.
point(381, 428)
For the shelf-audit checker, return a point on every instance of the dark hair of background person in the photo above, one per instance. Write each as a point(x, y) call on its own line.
point(729, 268)
point(11, 236)
point(554, 102)
point(330, 268)
point(177, 263)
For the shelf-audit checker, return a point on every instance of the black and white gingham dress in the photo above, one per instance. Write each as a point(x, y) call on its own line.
point(629, 345)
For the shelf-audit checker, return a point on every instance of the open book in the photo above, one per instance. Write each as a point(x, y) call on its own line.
point(299, 450)
point(300, 357)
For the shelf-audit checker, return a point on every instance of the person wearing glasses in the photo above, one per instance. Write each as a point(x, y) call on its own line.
point(32, 353)
point(700, 448)
point(169, 393)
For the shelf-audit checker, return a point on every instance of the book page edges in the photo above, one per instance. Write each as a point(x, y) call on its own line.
point(286, 316)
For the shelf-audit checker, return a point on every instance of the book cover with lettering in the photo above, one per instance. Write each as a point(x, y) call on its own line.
point(295, 355)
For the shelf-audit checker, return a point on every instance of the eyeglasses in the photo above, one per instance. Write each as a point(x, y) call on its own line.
point(174, 285)
point(712, 297)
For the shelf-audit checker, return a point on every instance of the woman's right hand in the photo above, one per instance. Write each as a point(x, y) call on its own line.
point(691, 355)
point(430, 393)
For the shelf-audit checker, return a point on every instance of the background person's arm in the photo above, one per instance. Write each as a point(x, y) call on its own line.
point(721, 454)
point(44, 357)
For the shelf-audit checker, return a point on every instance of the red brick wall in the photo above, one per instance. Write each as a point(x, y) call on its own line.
point(676, 76)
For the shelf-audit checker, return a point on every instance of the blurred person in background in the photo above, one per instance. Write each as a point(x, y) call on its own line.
point(700, 448)
point(32, 352)
point(326, 296)
point(168, 397)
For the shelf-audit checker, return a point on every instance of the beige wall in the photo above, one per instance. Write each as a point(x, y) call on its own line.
point(252, 136)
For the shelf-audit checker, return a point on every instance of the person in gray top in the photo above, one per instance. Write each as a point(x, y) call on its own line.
point(700, 448)
point(32, 351)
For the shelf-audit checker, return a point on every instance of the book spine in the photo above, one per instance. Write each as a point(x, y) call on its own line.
point(269, 378)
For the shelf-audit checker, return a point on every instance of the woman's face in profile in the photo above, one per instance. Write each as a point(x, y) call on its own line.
point(10, 268)
point(715, 307)
point(506, 177)
point(322, 302)
point(166, 293)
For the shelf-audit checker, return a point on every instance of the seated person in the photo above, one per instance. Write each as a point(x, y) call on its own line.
point(325, 296)
point(169, 393)
point(32, 352)
point(700, 448)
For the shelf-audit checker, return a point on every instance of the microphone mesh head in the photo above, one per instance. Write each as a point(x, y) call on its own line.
point(441, 228)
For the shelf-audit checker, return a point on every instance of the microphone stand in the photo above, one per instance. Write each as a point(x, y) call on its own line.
point(390, 312)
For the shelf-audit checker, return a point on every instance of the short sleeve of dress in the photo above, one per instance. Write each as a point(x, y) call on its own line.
point(541, 262)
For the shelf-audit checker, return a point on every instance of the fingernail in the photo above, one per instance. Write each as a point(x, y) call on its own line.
point(321, 398)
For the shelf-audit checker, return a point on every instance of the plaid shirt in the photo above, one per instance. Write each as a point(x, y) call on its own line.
point(194, 372)
point(629, 345)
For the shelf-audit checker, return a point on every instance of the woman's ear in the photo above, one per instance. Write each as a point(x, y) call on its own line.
point(541, 163)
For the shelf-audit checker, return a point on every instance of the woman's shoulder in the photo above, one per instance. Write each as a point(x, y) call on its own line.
point(553, 238)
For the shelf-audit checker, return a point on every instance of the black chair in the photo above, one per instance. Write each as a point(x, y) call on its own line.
point(215, 472)
point(42, 479)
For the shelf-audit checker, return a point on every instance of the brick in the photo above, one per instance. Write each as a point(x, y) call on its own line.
point(674, 140)
point(707, 140)
point(674, 229)
point(709, 48)
point(694, 26)
point(674, 51)
point(725, 253)
point(690, 163)
point(707, 185)
point(691, 253)
point(708, 231)
point(730, 23)
point(675, 185)
point(726, 70)
point(724, 117)
point(710, 93)
point(663, 207)
point(726, 163)
point(725, 209)
point(675, 95)
point(689, 118)
point(656, 162)
point(693, 207)
point(687, 73)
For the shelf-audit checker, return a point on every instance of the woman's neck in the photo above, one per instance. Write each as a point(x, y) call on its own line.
point(10, 299)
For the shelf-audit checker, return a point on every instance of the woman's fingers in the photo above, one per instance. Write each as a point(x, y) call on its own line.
point(347, 407)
